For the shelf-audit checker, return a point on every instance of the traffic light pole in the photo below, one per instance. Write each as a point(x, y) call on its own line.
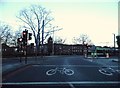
point(19, 41)
point(26, 54)
point(20, 53)
point(25, 37)
point(22, 44)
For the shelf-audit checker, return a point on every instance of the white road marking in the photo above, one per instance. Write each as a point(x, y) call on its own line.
point(118, 71)
point(70, 66)
point(83, 82)
point(105, 72)
point(71, 85)
point(60, 70)
point(96, 57)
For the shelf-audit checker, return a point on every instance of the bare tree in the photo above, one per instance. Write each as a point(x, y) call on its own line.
point(5, 33)
point(75, 40)
point(82, 39)
point(59, 40)
point(33, 18)
point(17, 34)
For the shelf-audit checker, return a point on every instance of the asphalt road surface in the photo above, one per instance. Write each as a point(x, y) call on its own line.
point(67, 72)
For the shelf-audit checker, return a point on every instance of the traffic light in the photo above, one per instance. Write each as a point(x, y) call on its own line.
point(50, 45)
point(25, 34)
point(30, 36)
point(19, 40)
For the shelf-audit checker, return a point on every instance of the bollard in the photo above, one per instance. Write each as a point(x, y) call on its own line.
point(107, 55)
point(85, 55)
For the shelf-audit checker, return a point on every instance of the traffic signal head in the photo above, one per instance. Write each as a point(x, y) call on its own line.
point(19, 40)
point(30, 36)
point(25, 33)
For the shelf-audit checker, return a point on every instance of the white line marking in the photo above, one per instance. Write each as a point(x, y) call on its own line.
point(118, 71)
point(105, 72)
point(71, 85)
point(51, 72)
point(96, 57)
point(83, 82)
point(60, 70)
point(73, 65)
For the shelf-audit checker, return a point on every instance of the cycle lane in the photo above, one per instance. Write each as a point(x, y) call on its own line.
point(85, 72)
point(37, 73)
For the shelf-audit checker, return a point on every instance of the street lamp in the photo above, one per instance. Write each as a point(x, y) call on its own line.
point(114, 44)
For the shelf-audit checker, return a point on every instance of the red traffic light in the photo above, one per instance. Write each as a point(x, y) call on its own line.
point(19, 40)
point(24, 33)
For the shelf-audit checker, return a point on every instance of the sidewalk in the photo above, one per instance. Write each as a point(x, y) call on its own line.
point(11, 64)
point(11, 67)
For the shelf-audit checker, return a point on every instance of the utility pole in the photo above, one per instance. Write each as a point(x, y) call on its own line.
point(53, 42)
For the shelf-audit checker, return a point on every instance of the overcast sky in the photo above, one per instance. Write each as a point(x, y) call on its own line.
point(96, 18)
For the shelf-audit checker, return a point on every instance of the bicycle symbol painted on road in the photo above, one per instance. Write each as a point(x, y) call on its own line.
point(60, 70)
point(108, 71)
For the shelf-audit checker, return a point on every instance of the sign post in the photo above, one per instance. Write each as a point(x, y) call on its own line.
point(93, 51)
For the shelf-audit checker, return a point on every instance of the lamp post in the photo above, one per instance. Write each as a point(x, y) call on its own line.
point(114, 44)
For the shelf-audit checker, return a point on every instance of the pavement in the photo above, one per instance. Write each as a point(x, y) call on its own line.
point(12, 64)
point(8, 65)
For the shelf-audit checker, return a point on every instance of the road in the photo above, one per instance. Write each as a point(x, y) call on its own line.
point(70, 71)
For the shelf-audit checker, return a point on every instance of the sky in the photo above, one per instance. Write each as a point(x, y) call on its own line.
point(96, 18)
